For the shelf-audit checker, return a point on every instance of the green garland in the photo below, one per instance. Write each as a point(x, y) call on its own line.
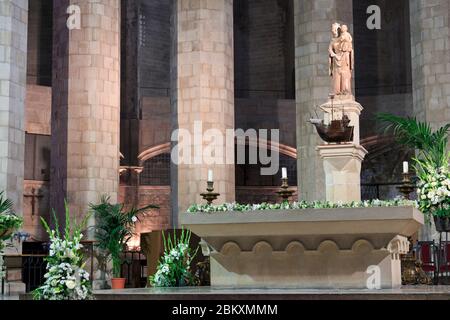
point(236, 207)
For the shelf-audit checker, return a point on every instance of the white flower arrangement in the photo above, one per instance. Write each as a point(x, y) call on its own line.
point(236, 207)
point(174, 267)
point(65, 278)
point(434, 191)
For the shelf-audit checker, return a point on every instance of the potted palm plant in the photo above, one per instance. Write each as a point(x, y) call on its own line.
point(114, 228)
point(431, 164)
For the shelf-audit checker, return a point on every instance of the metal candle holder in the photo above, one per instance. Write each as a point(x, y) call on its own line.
point(284, 191)
point(210, 195)
point(407, 187)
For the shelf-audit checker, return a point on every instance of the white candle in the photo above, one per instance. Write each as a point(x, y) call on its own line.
point(284, 173)
point(210, 176)
point(405, 167)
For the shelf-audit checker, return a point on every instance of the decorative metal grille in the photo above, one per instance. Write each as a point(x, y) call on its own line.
point(156, 171)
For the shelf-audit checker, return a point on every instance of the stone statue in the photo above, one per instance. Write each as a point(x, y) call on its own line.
point(341, 60)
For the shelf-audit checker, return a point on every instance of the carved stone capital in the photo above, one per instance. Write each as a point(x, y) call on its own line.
point(399, 245)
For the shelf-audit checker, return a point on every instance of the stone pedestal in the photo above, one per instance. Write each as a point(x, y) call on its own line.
point(342, 165)
point(13, 263)
point(311, 249)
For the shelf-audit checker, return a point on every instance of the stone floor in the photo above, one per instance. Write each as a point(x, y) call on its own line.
point(6, 297)
point(207, 293)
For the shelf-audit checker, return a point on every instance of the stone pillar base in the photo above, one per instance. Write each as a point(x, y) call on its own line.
point(15, 288)
point(342, 165)
point(13, 263)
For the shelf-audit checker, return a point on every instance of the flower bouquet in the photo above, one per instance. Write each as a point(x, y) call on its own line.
point(65, 278)
point(434, 194)
point(175, 264)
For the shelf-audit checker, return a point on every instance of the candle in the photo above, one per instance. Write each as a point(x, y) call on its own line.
point(210, 176)
point(284, 173)
point(405, 167)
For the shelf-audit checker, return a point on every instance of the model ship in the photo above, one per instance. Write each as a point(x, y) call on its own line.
point(337, 131)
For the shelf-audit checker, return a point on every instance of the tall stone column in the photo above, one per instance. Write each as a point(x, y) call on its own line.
point(13, 57)
point(203, 61)
point(430, 40)
point(313, 20)
point(13, 61)
point(430, 36)
point(85, 105)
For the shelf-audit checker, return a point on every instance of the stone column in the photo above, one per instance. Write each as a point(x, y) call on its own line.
point(204, 91)
point(430, 36)
point(313, 20)
point(430, 40)
point(13, 61)
point(13, 57)
point(85, 105)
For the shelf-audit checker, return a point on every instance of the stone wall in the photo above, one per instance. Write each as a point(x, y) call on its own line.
point(38, 109)
point(262, 49)
point(39, 63)
point(251, 195)
point(157, 219)
point(383, 57)
point(37, 208)
point(154, 49)
point(268, 113)
point(155, 125)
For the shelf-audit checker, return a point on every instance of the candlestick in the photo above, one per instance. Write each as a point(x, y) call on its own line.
point(210, 195)
point(210, 176)
point(284, 173)
point(405, 167)
point(407, 187)
point(284, 191)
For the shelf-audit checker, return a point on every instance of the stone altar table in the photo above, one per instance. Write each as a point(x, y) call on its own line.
point(309, 249)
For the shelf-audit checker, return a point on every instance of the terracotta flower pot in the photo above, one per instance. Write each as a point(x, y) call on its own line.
point(118, 283)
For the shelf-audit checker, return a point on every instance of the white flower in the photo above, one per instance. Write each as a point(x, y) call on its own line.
point(70, 284)
point(134, 219)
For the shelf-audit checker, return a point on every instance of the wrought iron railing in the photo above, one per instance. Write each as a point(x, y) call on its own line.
point(381, 191)
point(134, 269)
point(33, 271)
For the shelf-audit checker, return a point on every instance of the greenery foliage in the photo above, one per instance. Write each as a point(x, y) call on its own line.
point(114, 228)
point(236, 207)
point(174, 268)
point(9, 223)
point(65, 278)
point(8, 220)
point(432, 145)
point(431, 162)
